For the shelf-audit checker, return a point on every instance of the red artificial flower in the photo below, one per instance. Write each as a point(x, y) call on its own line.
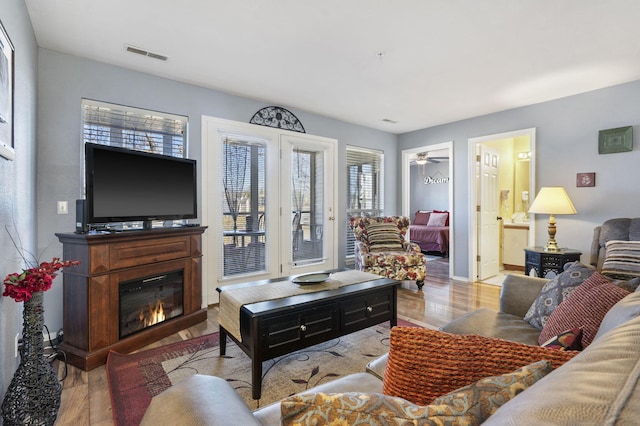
point(21, 287)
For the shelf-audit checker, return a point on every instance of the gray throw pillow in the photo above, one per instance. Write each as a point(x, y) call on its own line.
point(555, 292)
point(629, 285)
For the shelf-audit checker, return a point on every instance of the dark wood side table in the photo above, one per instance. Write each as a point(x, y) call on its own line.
point(548, 264)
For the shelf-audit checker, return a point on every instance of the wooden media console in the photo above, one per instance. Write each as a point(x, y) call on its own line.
point(91, 323)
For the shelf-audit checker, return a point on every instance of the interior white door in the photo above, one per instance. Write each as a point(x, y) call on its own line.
point(488, 222)
point(308, 203)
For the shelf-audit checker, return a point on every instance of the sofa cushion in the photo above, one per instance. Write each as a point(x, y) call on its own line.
point(629, 285)
point(199, 400)
point(585, 307)
point(622, 259)
point(555, 292)
point(489, 323)
point(377, 366)
point(625, 310)
point(597, 387)
point(470, 405)
point(383, 237)
point(424, 364)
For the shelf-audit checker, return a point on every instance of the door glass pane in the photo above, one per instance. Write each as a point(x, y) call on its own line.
point(244, 200)
point(307, 201)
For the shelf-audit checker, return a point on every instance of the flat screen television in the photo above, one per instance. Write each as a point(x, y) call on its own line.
point(124, 185)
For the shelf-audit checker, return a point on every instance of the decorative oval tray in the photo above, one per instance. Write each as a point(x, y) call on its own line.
point(311, 278)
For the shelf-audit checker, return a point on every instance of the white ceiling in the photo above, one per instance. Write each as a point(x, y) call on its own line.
point(417, 62)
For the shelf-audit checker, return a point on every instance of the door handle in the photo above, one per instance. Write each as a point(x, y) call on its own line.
point(499, 218)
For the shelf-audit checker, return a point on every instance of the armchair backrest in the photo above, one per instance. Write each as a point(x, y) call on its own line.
point(359, 225)
point(623, 229)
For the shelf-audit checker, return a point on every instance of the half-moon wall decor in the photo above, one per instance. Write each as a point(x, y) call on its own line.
point(274, 116)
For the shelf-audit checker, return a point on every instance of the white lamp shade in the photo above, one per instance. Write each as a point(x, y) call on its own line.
point(552, 200)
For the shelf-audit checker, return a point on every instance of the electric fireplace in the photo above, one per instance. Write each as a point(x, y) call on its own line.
point(148, 301)
point(94, 320)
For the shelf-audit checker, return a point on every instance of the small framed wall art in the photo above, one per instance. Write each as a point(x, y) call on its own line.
point(6, 95)
point(585, 180)
point(615, 140)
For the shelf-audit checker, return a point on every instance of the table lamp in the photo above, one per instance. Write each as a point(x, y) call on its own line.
point(552, 201)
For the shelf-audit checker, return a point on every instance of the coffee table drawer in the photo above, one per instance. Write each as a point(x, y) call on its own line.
point(300, 329)
point(367, 310)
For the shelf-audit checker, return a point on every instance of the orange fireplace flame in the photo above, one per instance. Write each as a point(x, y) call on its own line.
point(155, 314)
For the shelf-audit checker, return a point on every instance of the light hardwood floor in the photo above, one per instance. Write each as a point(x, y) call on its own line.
point(85, 395)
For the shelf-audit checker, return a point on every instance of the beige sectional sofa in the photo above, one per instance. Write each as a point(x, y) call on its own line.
point(599, 386)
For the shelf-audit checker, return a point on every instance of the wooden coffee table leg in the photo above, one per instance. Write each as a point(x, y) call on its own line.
point(256, 377)
point(223, 341)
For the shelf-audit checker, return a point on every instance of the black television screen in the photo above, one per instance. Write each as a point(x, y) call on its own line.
point(123, 185)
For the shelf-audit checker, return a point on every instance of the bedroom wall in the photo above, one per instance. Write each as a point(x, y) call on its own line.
point(18, 177)
point(567, 143)
point(64, 80)
point(431, 196)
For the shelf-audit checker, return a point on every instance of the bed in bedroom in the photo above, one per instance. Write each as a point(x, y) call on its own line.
point(430, 230)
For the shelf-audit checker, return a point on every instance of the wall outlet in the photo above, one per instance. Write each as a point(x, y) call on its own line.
point(63, 207)
point(17, 342)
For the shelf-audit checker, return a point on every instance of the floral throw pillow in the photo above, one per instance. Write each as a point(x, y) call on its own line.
point(470, 405)
point(555, 292)
point(570, 340)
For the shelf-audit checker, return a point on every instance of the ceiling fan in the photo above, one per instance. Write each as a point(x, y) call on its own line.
point(423, 158)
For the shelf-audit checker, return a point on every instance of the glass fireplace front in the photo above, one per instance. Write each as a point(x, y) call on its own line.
point(148, 301)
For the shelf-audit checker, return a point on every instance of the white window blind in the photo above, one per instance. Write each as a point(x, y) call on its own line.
point(364, 187)
point(243, 189)
point(134, 128)
point(307, 200)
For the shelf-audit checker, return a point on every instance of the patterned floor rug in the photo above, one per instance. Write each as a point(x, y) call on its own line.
point(135, 378)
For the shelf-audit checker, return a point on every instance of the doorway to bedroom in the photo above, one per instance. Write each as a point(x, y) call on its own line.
point(427, 187)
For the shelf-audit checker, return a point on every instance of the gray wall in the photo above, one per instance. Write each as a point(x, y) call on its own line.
point(64, 80)
point(433, 196)
point(17, 178)
point(567, 143)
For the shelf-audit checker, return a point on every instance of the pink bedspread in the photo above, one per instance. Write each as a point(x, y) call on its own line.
point(430, 238)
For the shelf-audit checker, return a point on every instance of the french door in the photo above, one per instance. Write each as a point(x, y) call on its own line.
point(307, 198)
point(268, 201)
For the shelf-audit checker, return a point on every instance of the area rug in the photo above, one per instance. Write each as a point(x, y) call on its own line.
point(136, 378)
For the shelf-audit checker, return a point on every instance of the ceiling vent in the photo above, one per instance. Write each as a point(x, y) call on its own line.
point(143, 52)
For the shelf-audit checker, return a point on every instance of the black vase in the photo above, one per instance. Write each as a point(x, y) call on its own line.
point(33, 397)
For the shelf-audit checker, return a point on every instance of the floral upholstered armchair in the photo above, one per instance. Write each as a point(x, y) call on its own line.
point(382, 249)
